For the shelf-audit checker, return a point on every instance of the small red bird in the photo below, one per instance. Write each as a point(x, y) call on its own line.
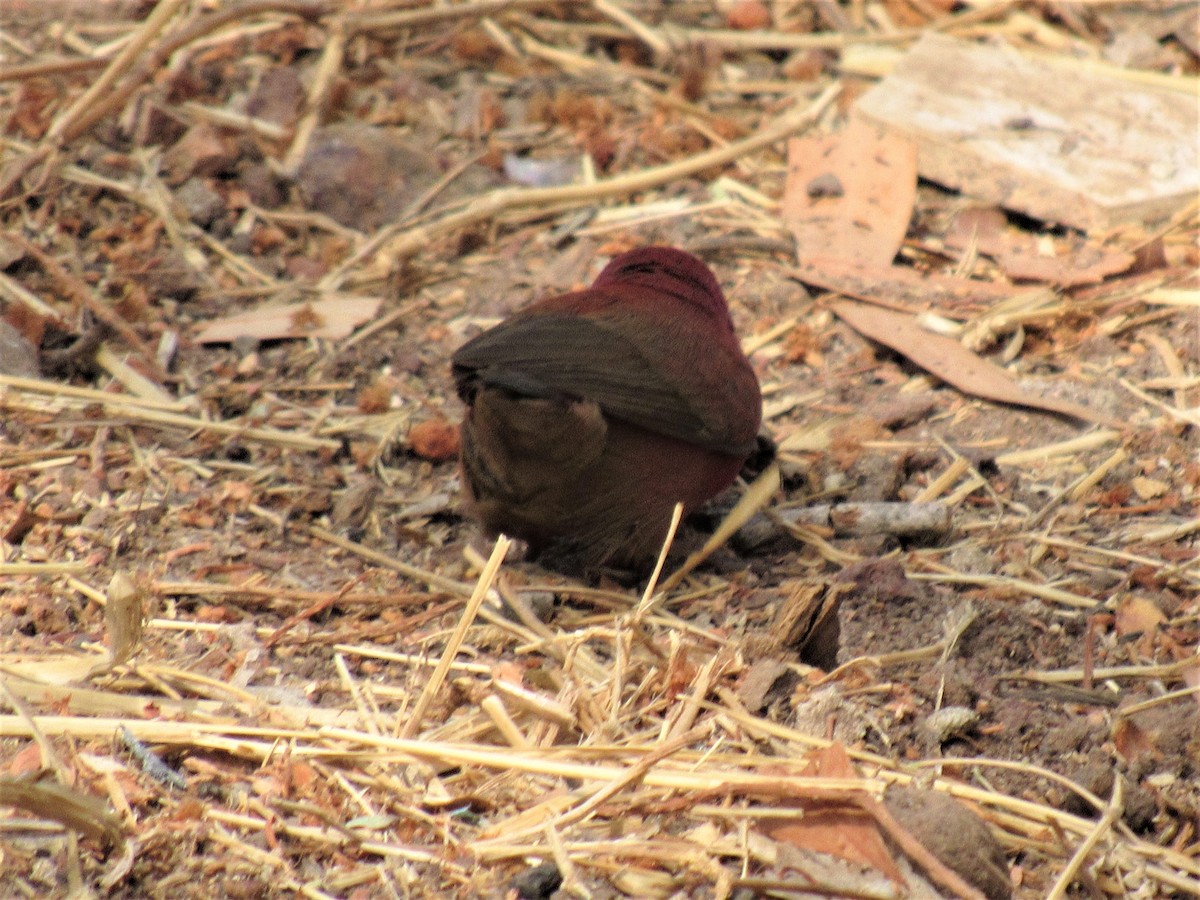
point(590, 415)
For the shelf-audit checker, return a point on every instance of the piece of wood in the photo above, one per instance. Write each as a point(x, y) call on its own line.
point(1051, 140)
point(333, 318)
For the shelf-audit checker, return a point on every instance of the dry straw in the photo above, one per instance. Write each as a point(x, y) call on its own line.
point(609, 737)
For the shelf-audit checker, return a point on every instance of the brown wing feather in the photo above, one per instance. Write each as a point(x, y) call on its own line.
point(552, 354)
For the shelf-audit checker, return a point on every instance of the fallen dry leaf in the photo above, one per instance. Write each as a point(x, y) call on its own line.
point(896, 287)
point(850, 195)
point(842, 830)
point(950, 361)
point(333, 319)
point(125, 616)
point(1020, 254)
point(1148, 488)
point(1137, 615)
point(763, 680)
point(1131, 741)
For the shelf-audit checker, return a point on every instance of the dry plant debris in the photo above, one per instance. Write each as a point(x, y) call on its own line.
point(248, 647)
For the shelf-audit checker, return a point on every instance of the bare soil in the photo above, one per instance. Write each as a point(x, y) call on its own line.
point(287, 509)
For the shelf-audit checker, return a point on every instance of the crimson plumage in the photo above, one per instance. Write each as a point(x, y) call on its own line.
point(591, 414)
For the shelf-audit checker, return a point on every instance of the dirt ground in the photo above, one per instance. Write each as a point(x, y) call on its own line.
point(283, 505)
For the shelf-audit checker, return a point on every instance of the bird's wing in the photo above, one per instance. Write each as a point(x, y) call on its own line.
point(558, 355)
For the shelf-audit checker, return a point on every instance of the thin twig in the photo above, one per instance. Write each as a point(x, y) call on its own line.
point(505, 199)
point(1116, 807)
point(80, 293)
point(417, 714)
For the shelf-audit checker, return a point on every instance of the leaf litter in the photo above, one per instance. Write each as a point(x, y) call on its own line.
point(311, 682)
